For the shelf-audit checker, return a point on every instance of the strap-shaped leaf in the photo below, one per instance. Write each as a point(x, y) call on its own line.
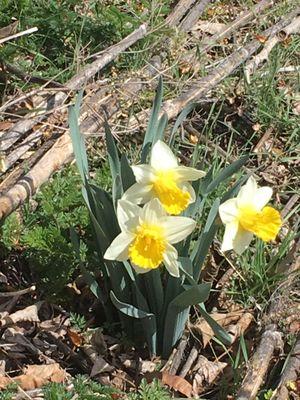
point(226, 173)
point(105, 212)
point(117, 190)
point(205, 240)
point(113, 154)
point(127, 175)
point(178, 311)
point(162, 124)
point(153, 121)
point(220, 333)
point(129, 309)
point(77, 140)
point(181, 117)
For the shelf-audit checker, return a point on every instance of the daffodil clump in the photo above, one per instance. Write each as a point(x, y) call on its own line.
point(150, 253)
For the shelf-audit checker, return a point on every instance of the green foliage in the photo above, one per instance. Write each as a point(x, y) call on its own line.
point(153, 391)
point(44, 235)
point(258, 273)
point(159, 303)
point(77, 321)
point(9, 393)
point(84, 389)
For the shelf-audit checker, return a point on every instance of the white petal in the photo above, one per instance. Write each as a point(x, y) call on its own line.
point(189, 188)
point(128, 214)
point(138, 193)
point(140, 270)
point(229, 236)
point(247, 193)
point(188, 174)
point(143, 173)
point(242, 240)
point(170, 261)
point(262, 197)
point(228, 211)
point(177, 228)
point(162, 157)
point(118, 250)
point(152, 212)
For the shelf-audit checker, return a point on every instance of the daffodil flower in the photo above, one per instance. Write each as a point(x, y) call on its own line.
point(147, 235)
point(163, 179)
point(247, 215)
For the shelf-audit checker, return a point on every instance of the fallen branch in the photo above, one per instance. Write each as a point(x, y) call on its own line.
point(173, 107)
point(19, 34)
point(193, 16)
point(18, 292)
point(179, 11)
point(76, 83)
point(258, 365)
point(252, 65)
point(288, 380)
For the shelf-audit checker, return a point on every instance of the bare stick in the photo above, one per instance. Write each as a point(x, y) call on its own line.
point(289, 375)
point(240, 21)
point(179, 11)
point(173, 107)
point(20, 150)
point(193, 16)
point(18, 292)
point(252, 65)
point(16, 35)
point(77, 82)
point(271, 340)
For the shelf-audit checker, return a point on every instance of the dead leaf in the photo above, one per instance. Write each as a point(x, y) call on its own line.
point(177, 383)
point(296, 109)
point(35, 376)
point(75, 337)
point(222, 319)
point(207, 27)
point(8, 30)
point(240, 327)
point(4, 125)
point(29, 314)
point(100, 366)
point(261, 38)
point(207, 372)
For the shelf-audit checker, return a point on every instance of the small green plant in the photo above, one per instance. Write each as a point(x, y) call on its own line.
point(152, 391)
point(78, 322)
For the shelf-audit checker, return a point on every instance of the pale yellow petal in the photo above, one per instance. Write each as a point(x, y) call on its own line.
point(118, 250)
point(138, 193)
point(143, 174)
point(242, 240)
point(229, 236)
point(152, 212)
point(139, 270)
point(162, 157)
point(247, 193)
point(128, 214)
point(228, 211)
point(188, 174)
point(171, 261)
point(177, 228)
point(262, 197)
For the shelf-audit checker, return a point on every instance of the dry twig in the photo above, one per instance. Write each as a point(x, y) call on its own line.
point(76, 83)
point(19, 34)
point(252, 65)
